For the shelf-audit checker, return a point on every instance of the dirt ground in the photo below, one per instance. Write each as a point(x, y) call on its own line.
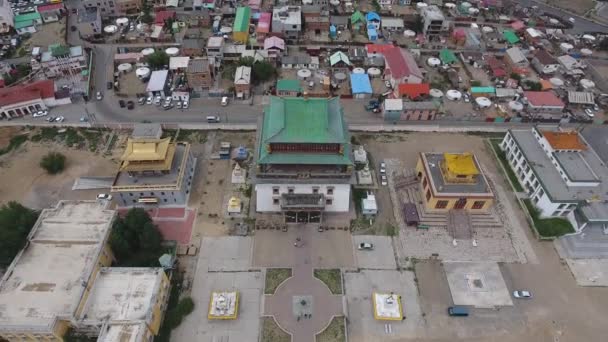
point(47, 34)
point(6, 133)
point(26, 182)
point(212, 181)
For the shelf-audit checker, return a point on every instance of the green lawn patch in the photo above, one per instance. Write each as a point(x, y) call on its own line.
point(548, 227)
point(502, 157)
point(274, 278)
point(271, 332)
point(335, 331)
point(331, 278)
point(14, 143)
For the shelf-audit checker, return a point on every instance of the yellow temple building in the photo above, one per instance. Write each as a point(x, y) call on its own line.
point(453, 181)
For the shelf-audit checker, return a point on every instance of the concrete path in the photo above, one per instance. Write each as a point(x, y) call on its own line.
point(325, 305)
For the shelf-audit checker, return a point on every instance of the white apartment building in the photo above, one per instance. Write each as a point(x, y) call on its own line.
point(562, 171)
point(287, 20)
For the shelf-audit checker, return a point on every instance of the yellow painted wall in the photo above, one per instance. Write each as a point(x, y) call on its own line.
point(161, 298)
point(240, 37)
point(432, 202)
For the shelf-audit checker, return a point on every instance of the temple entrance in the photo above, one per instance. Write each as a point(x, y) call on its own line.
point(461, 203)
point(302, 217)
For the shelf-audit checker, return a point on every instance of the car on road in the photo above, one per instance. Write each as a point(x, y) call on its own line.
point(524, 294)
point(589, 112)
point(185, 105)
point(84, 119)
point(41, 113)
point(107, 197)
point(467, 99)
point(99, 96)
point(363, 246)
point(383, 180)
point(109, 85)
point(225, 101)
point(149, 100)
point(572, 20)
point(213, 119)
point(382, 168)
point(130, 105)
point(596, 108)
point(73, 28)
point(60, 119)
point(121, 103)
point(458, 310)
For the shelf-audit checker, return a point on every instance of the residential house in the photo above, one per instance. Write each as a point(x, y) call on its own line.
point(61, 60)
point(386, 5)
point(533, 35)
point(305, 167)
point(447, 57)
point(289, 88)
point(113, 8)
point(401, 67)
point(544, 63)
point(434, 23)
point(488, 92)
point(393, 24)
point(275, 47)
point(413, 91)
point(263, 28)
point(7, 17)
point(200, 74)
point(510, 37)
point(215, 48)
point(516, 61)
point(581, 99)
point(178, 64)
point(377, 50)
point(339, 21)
point(240, 29)
point(357, 55)
point(392, 109)
point(29, 98)
point(361, 86)
point(339, 60)
point(357, 21)
point(300, 61)
point(541, 102)
point(26, 23)
point(569, 63)
point(159, 84)
point(51, 12)
point(89, 22)
point(242, 81)
point(192, 47)
point(256, 55)
point(287, 20)
point(316, 19)
point(373, 20)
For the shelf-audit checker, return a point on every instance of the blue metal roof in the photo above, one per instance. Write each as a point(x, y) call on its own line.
point(360, 84)
point(372, 16)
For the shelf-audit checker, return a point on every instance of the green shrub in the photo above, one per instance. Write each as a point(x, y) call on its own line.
point(53, 163)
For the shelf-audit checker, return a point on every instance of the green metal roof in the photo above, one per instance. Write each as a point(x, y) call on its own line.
point(288, 85)
point(22, 24)
point(241, 22)
point(26, 17)
point(301, 120)
point(510, 36)
point(337, 57)
point(483, 90)
point(357, 17)
point(447, 56)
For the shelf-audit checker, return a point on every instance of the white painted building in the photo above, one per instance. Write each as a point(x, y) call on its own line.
point(562, 171)
point(287, 20)
point(304, 164)
point(6, 16)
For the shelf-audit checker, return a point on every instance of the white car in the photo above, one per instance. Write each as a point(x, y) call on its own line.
point(149, 100)
point(522, 294)
point(572, 20)
point(365, 246)
point(179, 105)
point(589, 113)
point(185, 105)
point(224, 101)
point(382, 168)
point(104, 197)
point(99, 96)
point(41, 113)
point(60, 119)
point(383, 180)
point(157, 100)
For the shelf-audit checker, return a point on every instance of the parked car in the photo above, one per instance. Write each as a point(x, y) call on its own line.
point(41, 113)
point(50, 119)
point(60, 119)
point(524, 294)
point(365, 246)
point(122, 103)
point(141, 100)
point(99, 96)
point(589, 112)
point(74, 11)
point(84, 119)
point(458, 310)
point(149, 100)
point(382, 168)
point(109, 85)
point(224, 101)
point(73, 28)
point(185, 105)
point(467, 99)
point(167, 106)
point(157, 100)
point(383, 180)
point(130, 105)
point(179, 104)
point(107, 197)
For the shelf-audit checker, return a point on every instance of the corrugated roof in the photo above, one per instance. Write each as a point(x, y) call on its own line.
point(26, 17)
point(414, 90)
point(300, 120)
point(23, 24)
point(447, 56)
point(543, 99)
point(581, 97)
point(241, 22)
point(357, 17)
point(483, 90)
point(289, 85)
point(360, 84)
point(378, 48)
point(401, 63)
point(26, 92)
point(564, 140)
point(510, 36)
point(161, 16)
point(49, 7)
point(339, 57)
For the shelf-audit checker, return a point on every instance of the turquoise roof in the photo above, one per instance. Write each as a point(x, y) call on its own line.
point(510, 36)
point(289, 85)
point(22, 24)
point(301, 120)
point(27, 17)
point(241, 22)
point(483, 90)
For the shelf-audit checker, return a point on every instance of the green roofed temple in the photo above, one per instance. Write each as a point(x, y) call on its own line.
point(304, 159)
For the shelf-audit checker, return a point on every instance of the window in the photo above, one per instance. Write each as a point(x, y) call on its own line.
point(441, 204)
point(162, 193)
point(329, 201)
point(555, 213)
point(165, 200)
point(275, 190)
point(141, 194)
point(562, 206)
point(315, 190)
point(428, 194)
point(275, 201)
point(424, 182)
point(151, 194)
point(478, 204)
point(130, 194)
point(290, 190)
point(330, 190)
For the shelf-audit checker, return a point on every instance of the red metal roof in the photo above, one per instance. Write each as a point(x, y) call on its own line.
point(401, 63)
point(27, 92)
point(499, 72)
point(543, 99)
point(414, 90)
point(378, 48)
point(162, 16)
point(50, 7)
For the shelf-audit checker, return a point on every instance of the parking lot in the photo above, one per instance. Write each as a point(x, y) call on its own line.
point(362, 325)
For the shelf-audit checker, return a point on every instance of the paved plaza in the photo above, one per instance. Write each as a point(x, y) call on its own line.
point(382, 257)
point(478, 284)
point(589, 272)
point(227, 254)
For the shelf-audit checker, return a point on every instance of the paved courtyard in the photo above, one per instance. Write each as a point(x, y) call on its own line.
point(362, 326)
point(589, 272)
point(478, 284)
point(382, 257)
point(223, 253)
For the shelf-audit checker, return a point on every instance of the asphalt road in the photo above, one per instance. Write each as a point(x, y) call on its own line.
point(581, 25)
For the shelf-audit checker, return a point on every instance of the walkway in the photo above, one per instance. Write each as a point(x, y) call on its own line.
point(303, 283)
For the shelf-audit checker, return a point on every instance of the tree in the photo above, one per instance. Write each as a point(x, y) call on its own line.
point(418, 25)
point(376, 5)
point(16, 221)
point(263, 71)
point(135, 240)
point(146, 17)
point(516, 76)
point(158, 59)
point(53, 163)
point(532, 85)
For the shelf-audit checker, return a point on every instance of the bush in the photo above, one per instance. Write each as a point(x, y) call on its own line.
point(548, 227)
point(53, 163)
point(16, 221)
point(135, 240)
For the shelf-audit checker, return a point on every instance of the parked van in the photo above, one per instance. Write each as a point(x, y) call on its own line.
point(213, 119)
point(457, 310)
